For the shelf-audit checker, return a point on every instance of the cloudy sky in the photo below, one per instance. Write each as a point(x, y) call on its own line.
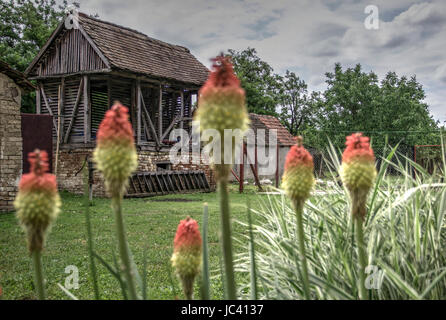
point(305, 36)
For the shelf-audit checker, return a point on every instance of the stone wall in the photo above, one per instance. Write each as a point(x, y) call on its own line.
point(70, 178)
point(10, 141)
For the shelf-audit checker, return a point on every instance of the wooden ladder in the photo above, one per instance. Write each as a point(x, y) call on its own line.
point(147, 184)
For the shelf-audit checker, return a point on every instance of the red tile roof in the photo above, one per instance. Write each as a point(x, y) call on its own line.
point(259, 121)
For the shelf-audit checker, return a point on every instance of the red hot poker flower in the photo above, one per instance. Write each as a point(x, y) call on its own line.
point(37, 202)
point(115, 153)
point(38, 179)
point(116, 126)
point(186, 258)
point(188, 235)
point(298, 156)
point(221, 77)
point(358, 146)
point(298, 177)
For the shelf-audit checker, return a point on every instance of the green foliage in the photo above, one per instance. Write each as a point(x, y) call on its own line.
point(26, 26)
point(295, 105)
point(150, 230)
point(261, 84)
point(404, 236)
point(356, 101)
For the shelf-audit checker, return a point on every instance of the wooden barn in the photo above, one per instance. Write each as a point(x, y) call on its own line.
point(82, 70)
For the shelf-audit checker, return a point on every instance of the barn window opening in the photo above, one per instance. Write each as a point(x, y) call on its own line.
point(163, 166)
point(99, 104)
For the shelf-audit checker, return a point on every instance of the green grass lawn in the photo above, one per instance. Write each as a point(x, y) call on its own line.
point(151, 225)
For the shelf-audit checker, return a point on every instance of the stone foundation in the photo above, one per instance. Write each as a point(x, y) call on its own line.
point(70, 175)
point(10, 142)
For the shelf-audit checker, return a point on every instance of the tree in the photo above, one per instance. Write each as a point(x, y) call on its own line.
point(356, 101)
point(294, 105)
point(258, 79)
point(26, 26)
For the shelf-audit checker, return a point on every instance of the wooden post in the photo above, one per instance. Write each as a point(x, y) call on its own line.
point(61, 111)
point(256, 161)
point(38, 101)
point(138, 111)
point(160, 114)
point(73, 115)
point(59, 118)
point(109, 94)
point(182, 110)
point(87, 111)
point(242, 169)
point(277, 165)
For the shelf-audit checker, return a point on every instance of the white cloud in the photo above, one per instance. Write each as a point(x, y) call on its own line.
point(306, 36)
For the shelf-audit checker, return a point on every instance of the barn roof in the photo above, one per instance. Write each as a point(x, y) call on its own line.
point(260, 121)
point(124, 49)
point(18, 77)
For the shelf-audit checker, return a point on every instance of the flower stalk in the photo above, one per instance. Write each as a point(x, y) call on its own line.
point(222, 106)
point(226, 238)
point(187, 254)
point(38, 274)
point(37, 204)
point(298, 181)
point(116, 157)
point(358, 173)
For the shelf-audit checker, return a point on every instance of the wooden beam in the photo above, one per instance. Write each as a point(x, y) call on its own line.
point(73, 115)
point(277, 165)
point(152, 127)
point(138, 111)
point(160, 113)
point(87, 111)
point(242, 170)
point(61, 109)
point(80, 73)
point(109, 93)
point(95, 48)
point(48, 106)
point(38, 101)
point(174, 122)
point(182, 109)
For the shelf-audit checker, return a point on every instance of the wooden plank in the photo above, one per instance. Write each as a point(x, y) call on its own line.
point(169, 178)
point(155, 183)
point(138, 111)
point(133, 184)
point(38, 101)
point(148, 186)
point(75, 107)
point(109, 93)
point(87, 111)
point(152, 127)
point(174, 122)
point(208, 187)
point(183, 185)
point(195, 175)
point(95, 48)
point(48, 106)
point(175, 182)
point(139, 182)
point(187, 181)
point(182, 109)
point(160, 113)
point(161, 189)
point(242, 170)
